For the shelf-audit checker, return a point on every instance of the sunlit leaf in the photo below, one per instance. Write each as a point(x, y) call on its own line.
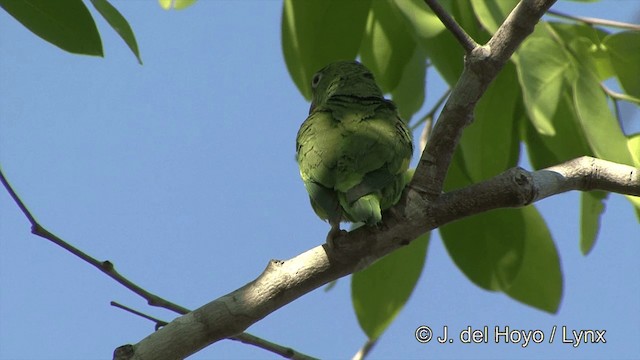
point(119, 24)
point(591, 210)
point(175, 4)
point(541, 66)
point(318, 32)
point(66, 24)
point(440, 46)
point(597, 57)
point(380, 291)
point(492, 13)
point(601, 128)
point(624, 52)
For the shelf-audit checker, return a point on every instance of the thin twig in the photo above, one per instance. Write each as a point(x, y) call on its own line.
point(426, 131)
point(365, 350)
point(596, 21)
point(463, 38)
point(159, 323)
point(620, 96)
point(154, 300)
point(283, 351)
point(431, 114)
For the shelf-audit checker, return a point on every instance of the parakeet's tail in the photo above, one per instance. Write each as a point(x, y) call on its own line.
point(366, 209)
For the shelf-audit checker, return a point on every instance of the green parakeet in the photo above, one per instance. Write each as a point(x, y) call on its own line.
point(353, 149)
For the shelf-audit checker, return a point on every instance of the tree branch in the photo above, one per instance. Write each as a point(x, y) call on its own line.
point(467, 43)
point(152, 299)
point(481, 66)
point(284, 281)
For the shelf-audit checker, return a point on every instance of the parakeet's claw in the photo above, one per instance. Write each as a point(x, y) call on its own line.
point(334, 234)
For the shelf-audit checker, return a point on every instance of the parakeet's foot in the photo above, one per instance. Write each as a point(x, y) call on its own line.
point(333, 235)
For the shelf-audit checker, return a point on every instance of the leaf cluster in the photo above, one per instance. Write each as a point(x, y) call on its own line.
point(549, 97)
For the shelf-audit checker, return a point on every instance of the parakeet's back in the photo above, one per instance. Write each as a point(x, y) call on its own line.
point(353, 149)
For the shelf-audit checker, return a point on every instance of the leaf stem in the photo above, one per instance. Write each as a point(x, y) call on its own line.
point(595, 21)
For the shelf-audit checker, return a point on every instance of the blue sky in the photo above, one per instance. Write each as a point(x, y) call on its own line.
point(182, 173)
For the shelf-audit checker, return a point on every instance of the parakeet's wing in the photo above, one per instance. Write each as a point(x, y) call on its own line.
point(317, 150)
point(353, 153)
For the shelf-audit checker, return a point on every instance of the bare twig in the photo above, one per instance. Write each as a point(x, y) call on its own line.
point(432, 113)
point(426, 131)
point(152, 299)
point(620, 96)
point(365, 350)
point(467, 43)
point(595, 21)
point(159, 323)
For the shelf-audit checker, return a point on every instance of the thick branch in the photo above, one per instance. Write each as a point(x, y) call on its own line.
point(481, 66)
point(284, 281)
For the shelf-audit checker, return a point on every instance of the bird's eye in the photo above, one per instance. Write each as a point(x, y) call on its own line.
point(316, 80)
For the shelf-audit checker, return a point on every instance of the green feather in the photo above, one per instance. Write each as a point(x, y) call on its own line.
point(353, 149)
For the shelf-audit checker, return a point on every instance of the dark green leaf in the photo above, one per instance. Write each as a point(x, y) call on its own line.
point(569, 141)
point(539, 280)
point(591, 210)
point(66, 24)
point(387, 46)
point(119, 24)
point(318, 32)
point(410, 93)
point(463, 12)
point(380, 291)
point(490, 144)
point(488, 247)
point(624, 52)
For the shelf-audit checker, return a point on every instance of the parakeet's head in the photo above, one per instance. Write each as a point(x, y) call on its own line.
point(342, 78)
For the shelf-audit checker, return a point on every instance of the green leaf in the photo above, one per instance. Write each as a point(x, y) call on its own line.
point(567, 143)
point(410, 93)
point(624, 52)
point(492, 13)
point(541, 66)
point(440, 46)
point(488, 247)
point(567, 34)
point(539, 280)
point(318, 32)
point(633, 143)
point(68, 24)
point(176, 4)
point(591, 210)
point(464, 14)
point(387, 46)
point(635, 200)
point(380, 291)
point(490, 144)
point(119, 24)
point(601, 128)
